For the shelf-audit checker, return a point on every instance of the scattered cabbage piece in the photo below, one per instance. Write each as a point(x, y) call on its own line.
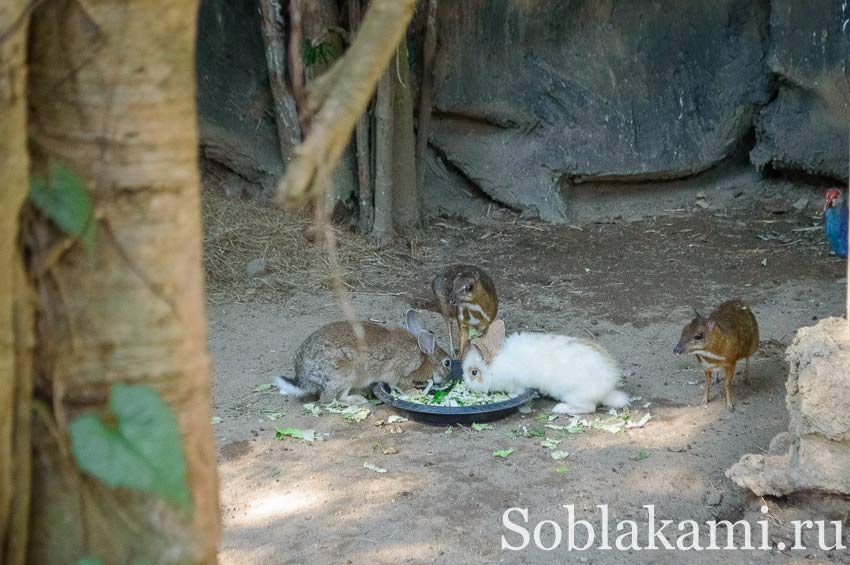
point(374, 468)
point(306, 435)
point(396, 418)
point(502, 452)
point(478, 427)
point(550, 443)
point(357, 413)
point(558, 455)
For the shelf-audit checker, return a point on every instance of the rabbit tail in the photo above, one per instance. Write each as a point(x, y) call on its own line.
point(616, 399)
point(289, 388)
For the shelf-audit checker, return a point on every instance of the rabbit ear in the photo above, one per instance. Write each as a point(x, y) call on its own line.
point(483, 349)
point(427, 342)
point(414, 323)
point(495, 335)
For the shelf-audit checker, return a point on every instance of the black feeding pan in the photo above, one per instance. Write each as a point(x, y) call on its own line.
point(448, 415)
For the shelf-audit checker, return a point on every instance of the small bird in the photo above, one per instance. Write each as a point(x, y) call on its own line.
point(835, 219)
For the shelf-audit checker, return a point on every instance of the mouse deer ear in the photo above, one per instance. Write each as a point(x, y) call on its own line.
point(495, 335)
point(710, 324)
point(427, 342)
point(413, 323)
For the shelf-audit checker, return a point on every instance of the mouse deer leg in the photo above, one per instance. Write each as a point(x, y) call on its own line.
point(730, 373)
point(463, 337)
point(708, 376)
point(452, 351)
point(747, 372)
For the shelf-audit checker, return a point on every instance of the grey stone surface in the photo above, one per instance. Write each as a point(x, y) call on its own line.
point(814, 455)
point(534, 95)
point(805, 127)
point(235, 114)
point(235, 110)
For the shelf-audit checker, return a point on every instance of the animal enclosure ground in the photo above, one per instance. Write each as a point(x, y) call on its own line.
point(631, 285)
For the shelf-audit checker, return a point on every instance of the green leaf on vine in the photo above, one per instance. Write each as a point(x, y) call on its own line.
point(63, 198)
point(138, 447)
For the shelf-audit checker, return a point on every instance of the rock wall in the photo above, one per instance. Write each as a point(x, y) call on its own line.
point(531, 94)
point(238, 135)
point(536, 100)
point(235, 114)
point(805, 127)
point(814, 455)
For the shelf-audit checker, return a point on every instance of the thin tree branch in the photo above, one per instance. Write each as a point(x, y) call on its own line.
point(286, 112)
point(296, 65)
point(359, 70)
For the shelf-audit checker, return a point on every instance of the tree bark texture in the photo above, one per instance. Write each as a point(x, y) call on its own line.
point(426, 92)
point(361, 138)
point(344, 100)
point(406, 205)
point(286, 113)
point(15, 303)
point(112, 96)
point(383, 227)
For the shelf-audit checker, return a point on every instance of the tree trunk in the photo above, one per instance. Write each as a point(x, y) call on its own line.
point(383, 228)
point(15, 306)
point(406, 208)
point(320, 24)
point(338, 104)
point(361, 137)
point(426, 92)
point(113, 98)
point(286, 113)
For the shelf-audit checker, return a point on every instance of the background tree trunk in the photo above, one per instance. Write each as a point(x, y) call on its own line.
point(383, 227)
point(15, 306)
point(337, 102)
point(406, 205)
point(286, 113)
point(361, 137)
point(320, 24)
point(426, 92)
point(112, 96)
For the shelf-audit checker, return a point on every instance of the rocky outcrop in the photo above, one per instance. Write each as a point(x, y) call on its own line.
point(805, 127)
point(235, 114)
point(532, 95)
point(236, 123)
point(814, 455)
point(537, 101)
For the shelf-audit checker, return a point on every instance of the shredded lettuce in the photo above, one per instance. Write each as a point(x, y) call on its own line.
point(458, 395)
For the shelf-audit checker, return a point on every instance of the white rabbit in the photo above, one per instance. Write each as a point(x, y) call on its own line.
point(578, 373)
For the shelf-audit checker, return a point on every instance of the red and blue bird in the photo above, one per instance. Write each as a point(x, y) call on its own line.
point(835, 220)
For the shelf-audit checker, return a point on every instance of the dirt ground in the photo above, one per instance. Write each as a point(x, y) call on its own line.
point(631, 285)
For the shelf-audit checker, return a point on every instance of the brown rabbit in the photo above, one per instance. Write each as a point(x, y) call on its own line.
point(331, 363)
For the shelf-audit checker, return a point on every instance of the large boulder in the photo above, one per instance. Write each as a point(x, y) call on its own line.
point(814, 455)
point(805, 127)
point(531, 96)
point(238, 135)
point(235, 113)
